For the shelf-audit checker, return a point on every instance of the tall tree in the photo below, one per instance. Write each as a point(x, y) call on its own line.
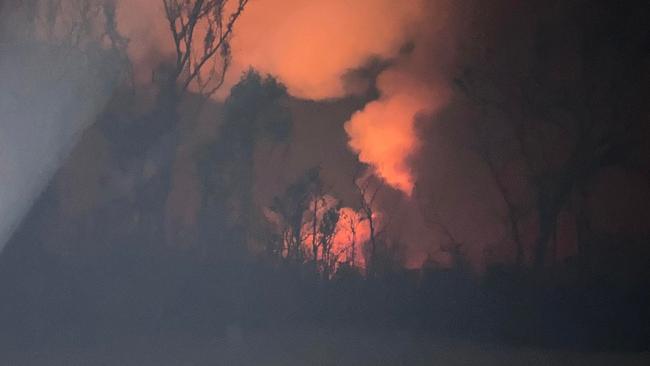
point(293, 210)
point(255, 110)
point(368, 190)
point(565, 100)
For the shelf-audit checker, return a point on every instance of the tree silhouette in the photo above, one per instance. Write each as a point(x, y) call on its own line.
point(254, 110)
point(201, 31)
point(293, 207)
point(562, 130)
point(368, 190)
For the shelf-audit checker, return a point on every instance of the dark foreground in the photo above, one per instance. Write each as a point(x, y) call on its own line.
point(303, 347)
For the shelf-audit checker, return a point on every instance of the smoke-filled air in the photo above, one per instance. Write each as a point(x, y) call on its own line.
point(324, 182)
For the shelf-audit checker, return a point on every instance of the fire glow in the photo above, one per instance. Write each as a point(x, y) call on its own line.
point(335, 36)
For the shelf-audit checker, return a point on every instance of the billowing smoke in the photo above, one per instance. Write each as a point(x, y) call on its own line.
point(312, 45)
point(309, 45)
point(383, 132)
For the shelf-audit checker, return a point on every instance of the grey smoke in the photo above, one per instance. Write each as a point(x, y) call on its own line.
point(48, 95)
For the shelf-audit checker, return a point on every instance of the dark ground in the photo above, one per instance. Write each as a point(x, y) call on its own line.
point(305, 347)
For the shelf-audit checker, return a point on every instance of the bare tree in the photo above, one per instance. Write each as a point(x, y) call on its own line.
point(328, 229)
point(352, 222)
point(368, 190)
point(453, 246)
point(563, 130)
point(498, 163)
point(318, 202)
point(201, 30)
point(309, 220)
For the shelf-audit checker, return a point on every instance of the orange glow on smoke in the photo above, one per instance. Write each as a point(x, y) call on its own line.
point(351, 236)
point(383, 132)
point(309, 46)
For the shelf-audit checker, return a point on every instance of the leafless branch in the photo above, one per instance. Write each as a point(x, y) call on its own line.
point(195, 49)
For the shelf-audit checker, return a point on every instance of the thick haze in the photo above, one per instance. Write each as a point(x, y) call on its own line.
point(312, 47)
point(282, 178)
point(371, 79)
point(47, 97)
